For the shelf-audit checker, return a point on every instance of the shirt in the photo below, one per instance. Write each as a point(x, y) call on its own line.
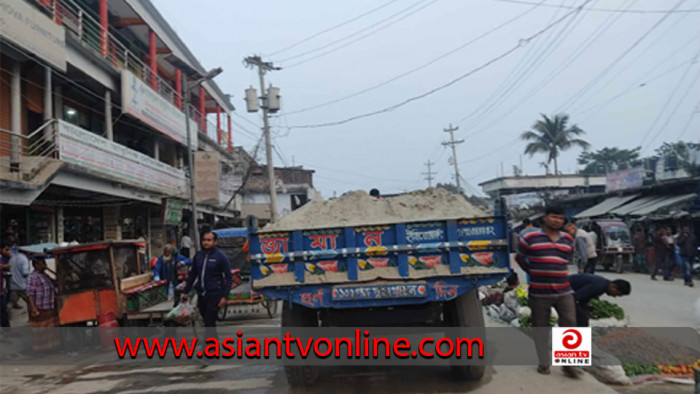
point(40, 288)
point(186, 242)
point(20, 269)
point(588, 286)
point(548, 262)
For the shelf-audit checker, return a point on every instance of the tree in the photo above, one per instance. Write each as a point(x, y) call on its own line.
point(682, 151)
point(605, 160)
point(552, 136)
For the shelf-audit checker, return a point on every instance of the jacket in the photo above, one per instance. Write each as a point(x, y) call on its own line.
point(162, 269)
point(210, 274)
point(686, 245)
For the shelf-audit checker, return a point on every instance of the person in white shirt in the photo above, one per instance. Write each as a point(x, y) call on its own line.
point(592, 254)
point(185, 245)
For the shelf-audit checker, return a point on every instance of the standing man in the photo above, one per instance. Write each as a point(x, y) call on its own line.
point(592, 254)
point(640, 248)
point(581, 246)
point(588, 286)
point(20, 269)
point(212, 271)
point(4, 266)
point(186, 245)
point(662, 252)
point(687, 248)
point(544, 254)
point(42, 307)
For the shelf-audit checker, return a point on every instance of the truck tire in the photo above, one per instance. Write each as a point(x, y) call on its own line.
point(466, 311)
point(298, 316)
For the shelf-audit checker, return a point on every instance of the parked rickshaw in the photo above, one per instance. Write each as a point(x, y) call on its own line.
point(242, 298)
point(614, 246)
point(104, 279)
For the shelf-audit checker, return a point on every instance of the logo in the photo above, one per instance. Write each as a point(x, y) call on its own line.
point(571, 346)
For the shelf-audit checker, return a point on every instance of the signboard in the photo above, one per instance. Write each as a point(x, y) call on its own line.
point(523, 200)
point(94, 153)
point(24, 25)
point(172, 211)
point(207, 169)
point(624, 179)
point(148, 106)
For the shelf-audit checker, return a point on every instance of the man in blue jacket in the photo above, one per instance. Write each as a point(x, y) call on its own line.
point(166, 268)
point(589, 286)
point(211, 277)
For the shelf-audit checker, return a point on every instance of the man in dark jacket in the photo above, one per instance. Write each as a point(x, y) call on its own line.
point(589, 286)
point(662, 252)
point(211, 277)
point(687, 245)
point(166, 269)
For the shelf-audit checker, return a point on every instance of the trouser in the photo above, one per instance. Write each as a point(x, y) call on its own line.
point(668, 269)
point(209, 309)
point(581, 315)
point(4, 316)
point(659, 265)
point(185, 252)
point(640, 261)
point(590, 265)
point(686, 266)
point(15, 295)
point(541, 308)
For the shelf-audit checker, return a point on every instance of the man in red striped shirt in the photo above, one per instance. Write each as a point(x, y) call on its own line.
point(545, 254)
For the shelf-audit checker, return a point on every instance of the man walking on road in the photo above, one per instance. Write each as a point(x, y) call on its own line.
point(588, 286)
point(687, 248)
point(544, 254)
point(639, 241)
point(212, 271)
point(662, 252)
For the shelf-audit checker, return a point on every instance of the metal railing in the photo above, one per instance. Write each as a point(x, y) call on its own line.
point(90, 33)
point(40, 145)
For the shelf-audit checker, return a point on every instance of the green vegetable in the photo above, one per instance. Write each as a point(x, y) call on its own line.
point(636, 370)
point(604, 309)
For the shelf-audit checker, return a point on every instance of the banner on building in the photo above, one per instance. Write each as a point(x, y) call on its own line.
point(207, 169)
point(100, 155)
point(172, 211)
point(624, 179)
point(147, 105)
point(25, 26)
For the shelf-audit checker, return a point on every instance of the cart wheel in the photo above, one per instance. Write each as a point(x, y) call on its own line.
point(271, 306)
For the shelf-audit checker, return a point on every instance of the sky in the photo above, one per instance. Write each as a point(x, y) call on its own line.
point(625, 71)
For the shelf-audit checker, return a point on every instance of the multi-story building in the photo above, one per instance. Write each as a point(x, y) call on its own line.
point(93, 136)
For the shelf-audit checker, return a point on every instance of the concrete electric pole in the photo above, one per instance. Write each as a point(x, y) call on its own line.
point(263, 67)
point(453, 144)
point(429, 175)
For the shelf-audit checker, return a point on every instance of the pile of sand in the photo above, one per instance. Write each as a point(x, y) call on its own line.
point(358, 208)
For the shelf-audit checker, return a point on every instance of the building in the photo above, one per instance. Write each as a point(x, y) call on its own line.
point(93, 137)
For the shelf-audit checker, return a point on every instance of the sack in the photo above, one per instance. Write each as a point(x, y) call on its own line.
point(182, 313)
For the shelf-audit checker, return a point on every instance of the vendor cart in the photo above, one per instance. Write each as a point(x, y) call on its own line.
point(104, 279)
point(242, 299)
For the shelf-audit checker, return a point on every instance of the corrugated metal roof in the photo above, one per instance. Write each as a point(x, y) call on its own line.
point(634, 205)
point(605, 206)
point(666, 201)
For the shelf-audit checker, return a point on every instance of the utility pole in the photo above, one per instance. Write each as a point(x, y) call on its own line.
point(453, 144)
point(263, 67)
point(429, 175)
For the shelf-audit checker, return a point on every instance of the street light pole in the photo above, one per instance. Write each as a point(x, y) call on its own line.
point(194, 229)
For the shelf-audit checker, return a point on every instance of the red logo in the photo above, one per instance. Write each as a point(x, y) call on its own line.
point(573, 340)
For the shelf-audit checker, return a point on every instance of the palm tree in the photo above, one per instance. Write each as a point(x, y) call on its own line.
point(552, 136)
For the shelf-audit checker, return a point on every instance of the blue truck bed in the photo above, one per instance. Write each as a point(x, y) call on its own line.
point(382, 265)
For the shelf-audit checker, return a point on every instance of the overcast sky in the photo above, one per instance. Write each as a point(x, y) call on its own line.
point(589, 64)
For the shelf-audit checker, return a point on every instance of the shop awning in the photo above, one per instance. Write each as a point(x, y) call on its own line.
point(605, 206)
point(634, 205)
point(664, 202)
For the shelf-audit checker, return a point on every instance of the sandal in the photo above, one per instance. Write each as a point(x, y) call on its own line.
point(543, 369)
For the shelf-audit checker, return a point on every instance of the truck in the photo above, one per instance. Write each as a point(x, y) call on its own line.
point(394, 274)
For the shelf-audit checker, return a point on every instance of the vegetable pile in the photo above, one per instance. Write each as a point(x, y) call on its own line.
point(604, 309)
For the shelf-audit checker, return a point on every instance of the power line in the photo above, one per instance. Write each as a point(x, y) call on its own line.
point(429, 174)
point(453, 144)
point(521, 43)
point(602, 74)
point(373, 10)
point(695, 111)
point(642, 11)
point(413, 70)
point(413, 5)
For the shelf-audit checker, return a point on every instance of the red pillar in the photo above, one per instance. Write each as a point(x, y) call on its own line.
point(57, 12)
point(202, 109)
point(230, 140)
point(218, 124)
point(153, 58)
point(178, 88)
point(104, 19)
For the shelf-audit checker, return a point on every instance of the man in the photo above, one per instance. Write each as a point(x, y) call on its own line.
point(42, 307)
point(544, 254)
point(687, 249)
point(592, 244)
point(375, 193)
point(527, 223)
point(662, 252)
point(581, 246)
point(212, 271)
point(640, 249)
point(4, 266)
point(166, 268)
point(588, 286)
point(20, 269)
point(186, 245)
